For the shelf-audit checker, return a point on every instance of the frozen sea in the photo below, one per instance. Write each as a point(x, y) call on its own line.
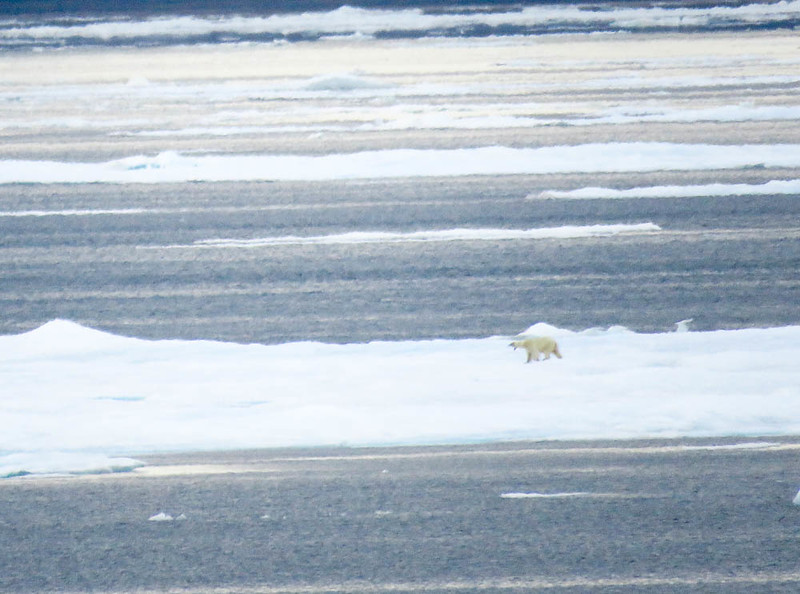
point(322, 224)
point(76, 399)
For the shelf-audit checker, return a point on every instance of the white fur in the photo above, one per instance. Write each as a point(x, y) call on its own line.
point(536, 345)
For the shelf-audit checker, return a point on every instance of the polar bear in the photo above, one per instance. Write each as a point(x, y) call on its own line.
point(536, 345)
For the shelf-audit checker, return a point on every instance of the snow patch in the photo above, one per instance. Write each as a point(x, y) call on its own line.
point(165, 517)
point(774, 187)
point(491, 160)
point(73, 397)
point(361, 237)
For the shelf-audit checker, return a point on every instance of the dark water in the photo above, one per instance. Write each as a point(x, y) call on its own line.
point(651, 519)
point(725, 263)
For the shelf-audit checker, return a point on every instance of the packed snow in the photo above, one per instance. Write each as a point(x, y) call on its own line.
point(490, 160)
point(78, 400)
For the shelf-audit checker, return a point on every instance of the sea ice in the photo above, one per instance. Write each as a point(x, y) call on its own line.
point(619, 157)
point(80, 400)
